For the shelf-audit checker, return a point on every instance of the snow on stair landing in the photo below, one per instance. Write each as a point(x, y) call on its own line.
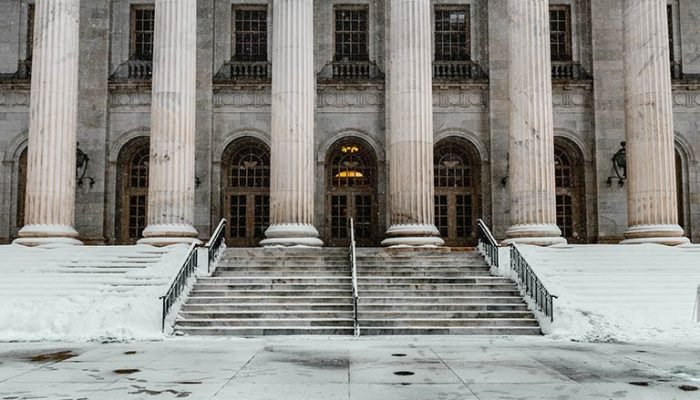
point(620, 293)
point(77, 293)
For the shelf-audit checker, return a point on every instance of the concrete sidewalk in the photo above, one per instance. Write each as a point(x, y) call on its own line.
point(382, 368)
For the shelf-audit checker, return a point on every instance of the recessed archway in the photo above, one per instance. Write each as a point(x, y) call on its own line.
point(245, 195)
point(351, 192)
point(132, 190)
point(570, 185)
point(457, 172)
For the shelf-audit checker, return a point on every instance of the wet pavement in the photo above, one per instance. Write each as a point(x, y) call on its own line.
point(381, 368)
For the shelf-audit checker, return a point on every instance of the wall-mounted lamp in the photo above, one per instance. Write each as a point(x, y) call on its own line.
point(82, 161)
point(504, 180)
point(197, 182)
point(619, 161)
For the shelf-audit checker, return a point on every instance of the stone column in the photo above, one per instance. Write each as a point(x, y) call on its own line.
point(410, 127)
point(531, 135)
point(173, 111)
point(651, 185)
point(293, 104)
point(51, 166)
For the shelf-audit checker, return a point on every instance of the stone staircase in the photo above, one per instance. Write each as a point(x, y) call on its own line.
point(437, 291)
point(272, 291)
point(275, 291)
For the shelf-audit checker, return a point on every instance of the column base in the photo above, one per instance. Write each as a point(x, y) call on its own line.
point(169, 234)
point(534, 234)
point(669, 235)
point(289, 235)
point(413, 235)
point(48, 235)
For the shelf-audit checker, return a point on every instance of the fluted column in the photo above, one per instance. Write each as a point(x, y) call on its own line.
point(51, 166)
point(531, 134)
point(293, 103)
point(173, 109)
point(651, 191)
point(410, 127)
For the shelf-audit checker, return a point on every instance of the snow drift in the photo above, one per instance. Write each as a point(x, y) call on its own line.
point(84, 293)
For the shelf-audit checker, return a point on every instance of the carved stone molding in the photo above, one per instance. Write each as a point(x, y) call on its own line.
point(686, 99)
point(131, 98)
point(476, 100)
point(246, 98)
point(571, 99)
point(13, 98)
point(346, 99)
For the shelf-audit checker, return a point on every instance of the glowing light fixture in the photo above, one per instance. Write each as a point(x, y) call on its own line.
point(349, 174)
point(350, 149)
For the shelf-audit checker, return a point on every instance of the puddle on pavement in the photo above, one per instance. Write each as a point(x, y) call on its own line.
point(129, 353)
point(188, 383)
point(404, 373)
point(688, 388)
point(52, 357)
point(644, 384)
point(398, 355)
point(126, 371)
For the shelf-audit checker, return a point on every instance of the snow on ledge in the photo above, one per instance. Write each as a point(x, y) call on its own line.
point(620, 292)
point(84, 293)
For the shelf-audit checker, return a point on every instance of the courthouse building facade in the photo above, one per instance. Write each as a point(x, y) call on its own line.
point(553, 120)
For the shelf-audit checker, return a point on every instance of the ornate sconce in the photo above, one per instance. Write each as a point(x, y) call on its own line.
point(82, 162)
point(619, 161)
point(197, 182)
point(504, 180)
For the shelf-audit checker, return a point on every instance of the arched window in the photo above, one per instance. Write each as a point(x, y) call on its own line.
point(457, 192)
point(246, 194)
point(21, 188)
point(570, 191)
point(132, 196)
point(351, 168)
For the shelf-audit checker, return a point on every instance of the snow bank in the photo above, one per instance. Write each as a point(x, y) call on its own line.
point(620, 293)
point(84, 293)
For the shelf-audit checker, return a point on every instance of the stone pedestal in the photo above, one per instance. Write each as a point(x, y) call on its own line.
point(531, 134)
point(410, 126)
point(652, 205)
point(51, 163)
point(171, 182)
point(293, 105)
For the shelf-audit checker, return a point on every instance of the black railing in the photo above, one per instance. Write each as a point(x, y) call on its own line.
point(353, 266)
point(245, 71)
point(488, 244)
point(179, 284)
point(456, 70)
point(530, 284)
point(567, 70)
point(217, 241)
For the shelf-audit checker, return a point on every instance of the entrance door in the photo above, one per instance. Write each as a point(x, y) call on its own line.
point(351, 181)
point(570, 191)
point(457, 200)
point(133, 194)
point(246, 194)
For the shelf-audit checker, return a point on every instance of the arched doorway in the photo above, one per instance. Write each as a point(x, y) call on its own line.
point(246, 191)
point(457, 194)
point(680, 192)
point(21, 188)
point(132, 190)
point(351, 179)
point(570, 191)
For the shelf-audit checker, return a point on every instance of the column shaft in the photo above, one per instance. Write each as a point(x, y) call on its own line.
point(173, 109)
point(410, 127)
point(531, 134)
point(293, 105)
point(51, 166)
point(651, 190)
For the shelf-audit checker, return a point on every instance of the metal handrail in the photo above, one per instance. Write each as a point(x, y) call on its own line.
point(178, 285)
point(215, 242)
point(488, 243)
point(353, 265)
point(531, 284)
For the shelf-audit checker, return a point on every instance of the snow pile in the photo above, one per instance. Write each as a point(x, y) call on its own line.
point(620, 293)
point(82, 293)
